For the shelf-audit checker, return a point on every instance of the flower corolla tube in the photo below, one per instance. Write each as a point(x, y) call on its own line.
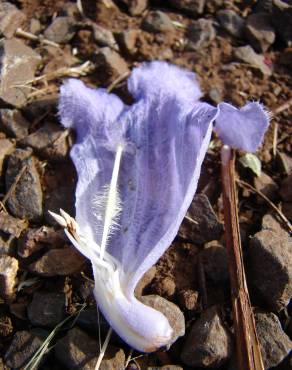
point(138, 167)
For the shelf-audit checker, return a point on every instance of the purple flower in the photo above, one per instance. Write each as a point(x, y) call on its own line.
point(138, 168)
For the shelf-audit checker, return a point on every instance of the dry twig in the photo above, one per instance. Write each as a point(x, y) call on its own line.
point(13, 186)
point(247, 344)
point(283, 107)
point(117, 81)
point(30, 36)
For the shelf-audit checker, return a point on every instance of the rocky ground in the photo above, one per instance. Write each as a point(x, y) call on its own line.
point(240, 50)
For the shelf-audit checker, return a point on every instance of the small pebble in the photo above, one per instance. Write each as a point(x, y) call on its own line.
point(8, 272)
point(209, 343)
point(46, 309)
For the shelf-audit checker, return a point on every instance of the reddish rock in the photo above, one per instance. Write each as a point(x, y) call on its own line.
point(36, 239)
point(77, 350)
point(13, 123)
point(11, 225)
point(11, 18)
point(170, 311)
point(6, 147)
point(146, 280)
point(49, 141)
point(58, 262)
point(22, 348)
point(18, 65)
point(188, 299)
point(8, 272)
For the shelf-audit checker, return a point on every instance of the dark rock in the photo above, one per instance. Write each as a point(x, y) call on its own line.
point(286, 189)
point(201, 224)
point(281, 18)
point(60, 197)
point(269, 222)
point(270, 257)
point(61, 30)
point(209, 343)
point(26, 197)
point(188, 299)
point(10, 225)
point(91, 321)
point(127, 40)
point(259, 31)
point(287, 210)
point(59, 59)
point(283, 160)
point(49, 141)
point(247, 55)
point(77, 350)
point(136, 7)
point(104, 37)
point(157, 21)
point(8, 272)
point(58, 262)
point(22, 348)
point(275, 344)
point(231, 22)
point(194, 7)
point(215, 262)
point(265, 184)
point(13, 123)
point(13, 75)
point(46, 309)
point(34, 240)
point(264, 6)
point(146, 280)
point(170, 311)
point(166, 367)
point(11, 18)
point(6, 147)
point(200, 34)
point(111, 63)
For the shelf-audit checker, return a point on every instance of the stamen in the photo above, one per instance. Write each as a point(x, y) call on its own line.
point(111, 203)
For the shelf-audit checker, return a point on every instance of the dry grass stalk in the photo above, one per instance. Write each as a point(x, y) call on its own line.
point(247, 344)
point(30, 36)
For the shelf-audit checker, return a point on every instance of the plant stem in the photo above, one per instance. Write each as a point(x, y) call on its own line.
point(247, 344)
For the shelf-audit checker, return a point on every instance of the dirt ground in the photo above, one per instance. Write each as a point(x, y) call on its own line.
point(43, 280)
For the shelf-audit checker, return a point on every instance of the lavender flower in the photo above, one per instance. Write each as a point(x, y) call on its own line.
point(138, 168)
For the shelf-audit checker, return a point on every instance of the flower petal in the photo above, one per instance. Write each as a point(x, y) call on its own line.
point(162, 79)
point(242, 128)
point(93, 113)
point(161, 180)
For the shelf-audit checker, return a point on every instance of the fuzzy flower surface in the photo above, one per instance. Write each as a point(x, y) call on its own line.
point(138, 167)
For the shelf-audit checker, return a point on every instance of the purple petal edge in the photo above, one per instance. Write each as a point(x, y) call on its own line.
point(242, 128)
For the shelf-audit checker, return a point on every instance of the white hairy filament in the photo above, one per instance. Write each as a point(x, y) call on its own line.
point(111, 202)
